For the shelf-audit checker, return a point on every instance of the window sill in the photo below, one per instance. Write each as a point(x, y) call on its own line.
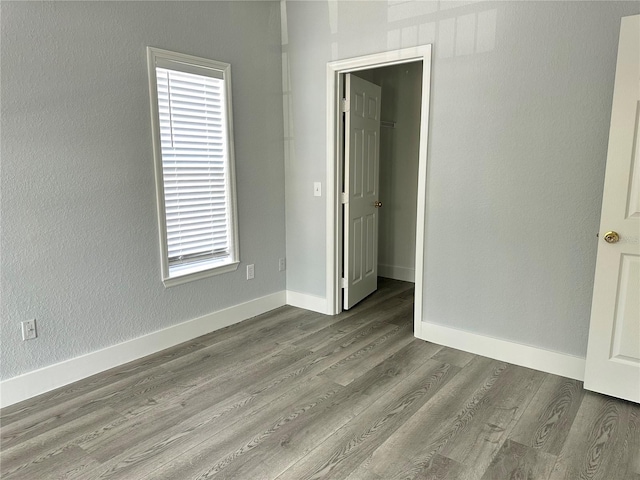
point(186, 275)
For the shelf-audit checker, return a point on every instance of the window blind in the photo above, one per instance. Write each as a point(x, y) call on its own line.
point(194, 165)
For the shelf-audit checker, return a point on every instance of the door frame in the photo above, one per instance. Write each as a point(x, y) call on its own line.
point(334, 225)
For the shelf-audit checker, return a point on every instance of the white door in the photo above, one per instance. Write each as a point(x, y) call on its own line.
point(613, 354)
point(361, 202)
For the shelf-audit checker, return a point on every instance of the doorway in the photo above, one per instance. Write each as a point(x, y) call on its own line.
point(398, 184)
point(335, 136)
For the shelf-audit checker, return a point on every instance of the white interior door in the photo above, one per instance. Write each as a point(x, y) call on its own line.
point(613, 354)
point(362, 161)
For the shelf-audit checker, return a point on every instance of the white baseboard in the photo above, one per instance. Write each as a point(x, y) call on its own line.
point(505, 351)
point(306, 301)
point(397, 273)
point(54, 376)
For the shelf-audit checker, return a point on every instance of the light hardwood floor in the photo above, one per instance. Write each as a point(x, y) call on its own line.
point(297, 395)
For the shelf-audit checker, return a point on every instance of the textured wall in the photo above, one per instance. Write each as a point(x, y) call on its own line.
point(79, 237)
point(401, 102)
point(520, 108)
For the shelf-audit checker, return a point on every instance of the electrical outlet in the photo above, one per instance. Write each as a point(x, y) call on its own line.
point(250, 272)
point(282, 265)
point(29, 329)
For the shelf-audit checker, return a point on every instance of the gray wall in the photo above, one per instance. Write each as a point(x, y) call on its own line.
point(520, 109)
point(79, 232)
point(401, 103)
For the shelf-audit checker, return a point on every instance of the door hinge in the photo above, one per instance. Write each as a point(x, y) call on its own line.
point(343, 198)
point(343, 105)
point(343, 282)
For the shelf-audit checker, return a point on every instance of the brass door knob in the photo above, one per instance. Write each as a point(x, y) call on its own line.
point(378, 204)
point(611, 237)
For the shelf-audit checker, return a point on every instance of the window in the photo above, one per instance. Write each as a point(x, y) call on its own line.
point(194, 165)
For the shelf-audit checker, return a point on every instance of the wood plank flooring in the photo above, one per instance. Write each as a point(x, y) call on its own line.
point(295, 395)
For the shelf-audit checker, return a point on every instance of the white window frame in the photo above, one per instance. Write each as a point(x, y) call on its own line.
point(198, 269)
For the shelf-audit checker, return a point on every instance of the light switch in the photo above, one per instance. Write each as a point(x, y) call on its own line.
point(317, 189)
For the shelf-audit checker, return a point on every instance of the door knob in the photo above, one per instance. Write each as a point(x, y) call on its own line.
point(378, 204)
point(611, 237)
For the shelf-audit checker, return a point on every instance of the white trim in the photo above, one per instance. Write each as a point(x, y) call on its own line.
point(333, 228)
point(198, 274)
point(397, 273)
point(421, 202)
point(306, 301)
point(505, 351)
point(60, 374)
